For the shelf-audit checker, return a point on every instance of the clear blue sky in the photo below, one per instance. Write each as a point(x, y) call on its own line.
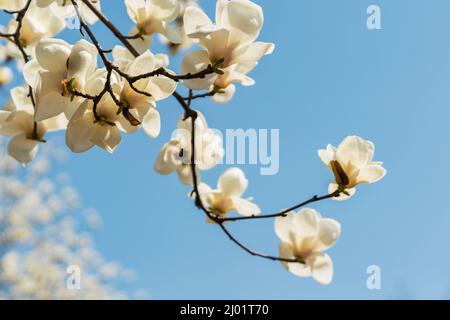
point(329, 77)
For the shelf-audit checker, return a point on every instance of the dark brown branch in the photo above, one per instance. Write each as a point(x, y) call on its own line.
point(284, 212)
point(111, 27)
point(15, 38)
point(202, 95)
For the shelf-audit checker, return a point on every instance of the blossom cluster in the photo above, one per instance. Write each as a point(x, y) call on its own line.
point(97, 95)
point(44, 230)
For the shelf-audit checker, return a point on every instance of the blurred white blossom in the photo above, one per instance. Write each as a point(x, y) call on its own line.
point(41, 234)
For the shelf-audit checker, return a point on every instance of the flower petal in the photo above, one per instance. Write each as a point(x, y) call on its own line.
point(152, 123)
point(195, 20)
point(283, 226)
point(371, 174)
point(52, 55)
point(243, 18)
point(233, 182)
point(80, 131)
point(329, 232)
point(322, 268)
point(194, 62)
point(22, 149)
point(355, 151)
point(245, 207)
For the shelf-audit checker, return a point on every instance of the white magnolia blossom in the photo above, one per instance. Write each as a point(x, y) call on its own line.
point(84, 130)
point(140, 109)
point(352, 164)
point(230, 43)
point(17, 121)
point(304, 236)
point(175, 156)
point(43, 232)
point(137, 110)
point(67, 10)
point(58, 69)
point(228, 195)
point(153, 16)
point(38, 23)
point(6, 75)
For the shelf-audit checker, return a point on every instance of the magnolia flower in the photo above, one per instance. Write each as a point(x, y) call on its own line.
point(85, 130)
point(68, 10)
point(228, 195)
point(153, 16)
point(228, 44)
point(37, 24)
point(305, 235)
point(57, 71)
point(351, 163)
point(175, 156)
point(6, 75)
point(18, 123)
point(137, 108)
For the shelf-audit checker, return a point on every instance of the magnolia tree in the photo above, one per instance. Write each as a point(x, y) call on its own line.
point(96, 94)
point(46, 250)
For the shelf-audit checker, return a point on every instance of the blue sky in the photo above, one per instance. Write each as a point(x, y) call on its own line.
point(329, 77)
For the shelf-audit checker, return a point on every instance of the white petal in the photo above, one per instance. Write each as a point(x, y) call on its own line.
point(52, 55)
point(79, 133)
point(244, 19)
point(31, 73)
point(82, 63)
point(106, 137)
point(49, 101)
point(56, 123)
point(245, 207)
point(152, 123)
point(166, 10)
point(143, 64)
point(173, 33)
point(233, 182)
point(8, 128)
point(185, 174)
point(161, 87)
point(298, 269)
point(194, 62)
point(371, 174)
point(224, 95)
point(283, 226)
point(328, 154)
point(21, 100)
point(322, 268)
point(194, 20)
point(252, 52)
point(329, 232)
point(122, 57)
point(306, 223)
point(164, 164)
point(141, 45)
point(22, 149)
point(355, 151)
